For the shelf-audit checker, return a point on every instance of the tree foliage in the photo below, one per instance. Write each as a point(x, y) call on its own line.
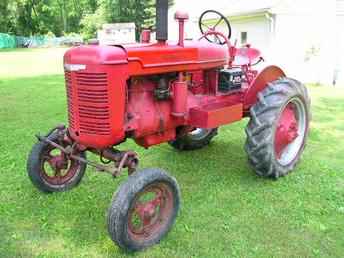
point(33, 17)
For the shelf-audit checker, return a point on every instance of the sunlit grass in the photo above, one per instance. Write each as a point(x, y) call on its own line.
point(31, 62)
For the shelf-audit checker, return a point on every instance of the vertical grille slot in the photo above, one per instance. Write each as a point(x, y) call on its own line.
point(93, 103)
point(69, 90)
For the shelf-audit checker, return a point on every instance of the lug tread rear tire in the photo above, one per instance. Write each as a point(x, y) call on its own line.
point(261, 127)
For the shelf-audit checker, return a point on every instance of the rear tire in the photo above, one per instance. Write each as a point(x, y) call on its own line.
point(265, 154)
point(194, 140)
point(135, 221)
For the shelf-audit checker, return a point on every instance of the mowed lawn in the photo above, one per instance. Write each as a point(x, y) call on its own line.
point(227, 211)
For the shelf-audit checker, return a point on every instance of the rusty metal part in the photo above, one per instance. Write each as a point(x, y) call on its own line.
point(150, 211)
point(61, 169)
point(121, 159)
point(60, 128)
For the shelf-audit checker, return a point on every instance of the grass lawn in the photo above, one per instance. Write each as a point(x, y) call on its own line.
point(227, 211)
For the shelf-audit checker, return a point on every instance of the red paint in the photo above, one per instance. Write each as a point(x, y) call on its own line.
point(145, 36)
point(246, 56)
point(269, 74)
point(145, 116)
point(157, 58)
point(94, 120)
point(215, 115)
point(286, 130)
point(230, 49)
point(157, 138)
point(181, 17)
point(180, 94)
point(146, 219)
point(110, 89)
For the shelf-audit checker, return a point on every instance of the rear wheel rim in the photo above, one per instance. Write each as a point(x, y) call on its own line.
point(199, 133)
point(290, 132)
point(148, 218)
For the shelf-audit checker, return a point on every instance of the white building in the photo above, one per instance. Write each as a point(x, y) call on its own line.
point(116, 33)
point(304, 37)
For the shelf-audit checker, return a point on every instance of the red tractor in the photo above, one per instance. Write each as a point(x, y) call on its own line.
point(175, 92)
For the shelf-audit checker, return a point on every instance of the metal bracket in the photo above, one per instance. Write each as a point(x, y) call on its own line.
point(128, 159)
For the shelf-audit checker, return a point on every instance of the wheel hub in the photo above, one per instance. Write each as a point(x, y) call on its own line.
point(57, 168)
point(148, 210)
point(58, 162)
point(147, 217)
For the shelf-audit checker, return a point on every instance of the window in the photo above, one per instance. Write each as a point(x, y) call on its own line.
point(243, 37)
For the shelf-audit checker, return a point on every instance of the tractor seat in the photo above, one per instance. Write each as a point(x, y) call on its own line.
point(246, 56)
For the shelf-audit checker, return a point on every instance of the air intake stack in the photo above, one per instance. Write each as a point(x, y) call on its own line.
point(162, 20)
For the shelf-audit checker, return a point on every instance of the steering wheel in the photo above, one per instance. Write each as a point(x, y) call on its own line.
point(220, 20)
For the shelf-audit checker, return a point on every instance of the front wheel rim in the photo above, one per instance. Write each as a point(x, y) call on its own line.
point(290, 131)
point(148, 218)
point(56, 168)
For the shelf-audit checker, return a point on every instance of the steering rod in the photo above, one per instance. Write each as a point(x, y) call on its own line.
point(231, 49)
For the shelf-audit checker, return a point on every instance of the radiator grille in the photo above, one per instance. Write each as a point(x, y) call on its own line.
point(91, 95)
point(68, 79)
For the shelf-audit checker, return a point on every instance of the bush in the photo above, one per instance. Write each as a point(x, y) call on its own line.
point(92, 22)
point(50, 35)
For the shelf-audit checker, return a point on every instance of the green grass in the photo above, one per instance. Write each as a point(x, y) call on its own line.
point(31, 62)
point(227, 211)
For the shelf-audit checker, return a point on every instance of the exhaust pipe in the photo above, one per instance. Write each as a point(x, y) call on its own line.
point(162, 20)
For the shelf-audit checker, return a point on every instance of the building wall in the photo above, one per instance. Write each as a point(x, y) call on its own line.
point(304, 37)
point(116, 33)
point(304, 42)
point(257, 29)
point(339, 31)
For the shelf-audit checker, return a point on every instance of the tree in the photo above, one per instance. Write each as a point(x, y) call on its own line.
point(142, 12)
point(7, 16)
point(37, 17)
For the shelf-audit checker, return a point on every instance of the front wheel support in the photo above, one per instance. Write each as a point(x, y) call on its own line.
point(143, 209)
point(121, 159)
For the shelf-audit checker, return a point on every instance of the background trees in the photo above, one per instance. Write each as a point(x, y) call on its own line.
point(37, 17)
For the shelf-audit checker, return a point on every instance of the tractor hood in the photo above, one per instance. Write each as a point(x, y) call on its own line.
point(170, 57)
point(154, 58)
point(94, 55)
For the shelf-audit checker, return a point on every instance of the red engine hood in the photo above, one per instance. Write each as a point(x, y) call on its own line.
point(152, 58)
point(96, 55)
point(160, 57)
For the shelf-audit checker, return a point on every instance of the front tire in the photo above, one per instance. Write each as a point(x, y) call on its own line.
point(278, 128)
point(50, 170)
point(143, 210)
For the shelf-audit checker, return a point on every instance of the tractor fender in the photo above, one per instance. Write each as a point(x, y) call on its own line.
point(268, 74)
